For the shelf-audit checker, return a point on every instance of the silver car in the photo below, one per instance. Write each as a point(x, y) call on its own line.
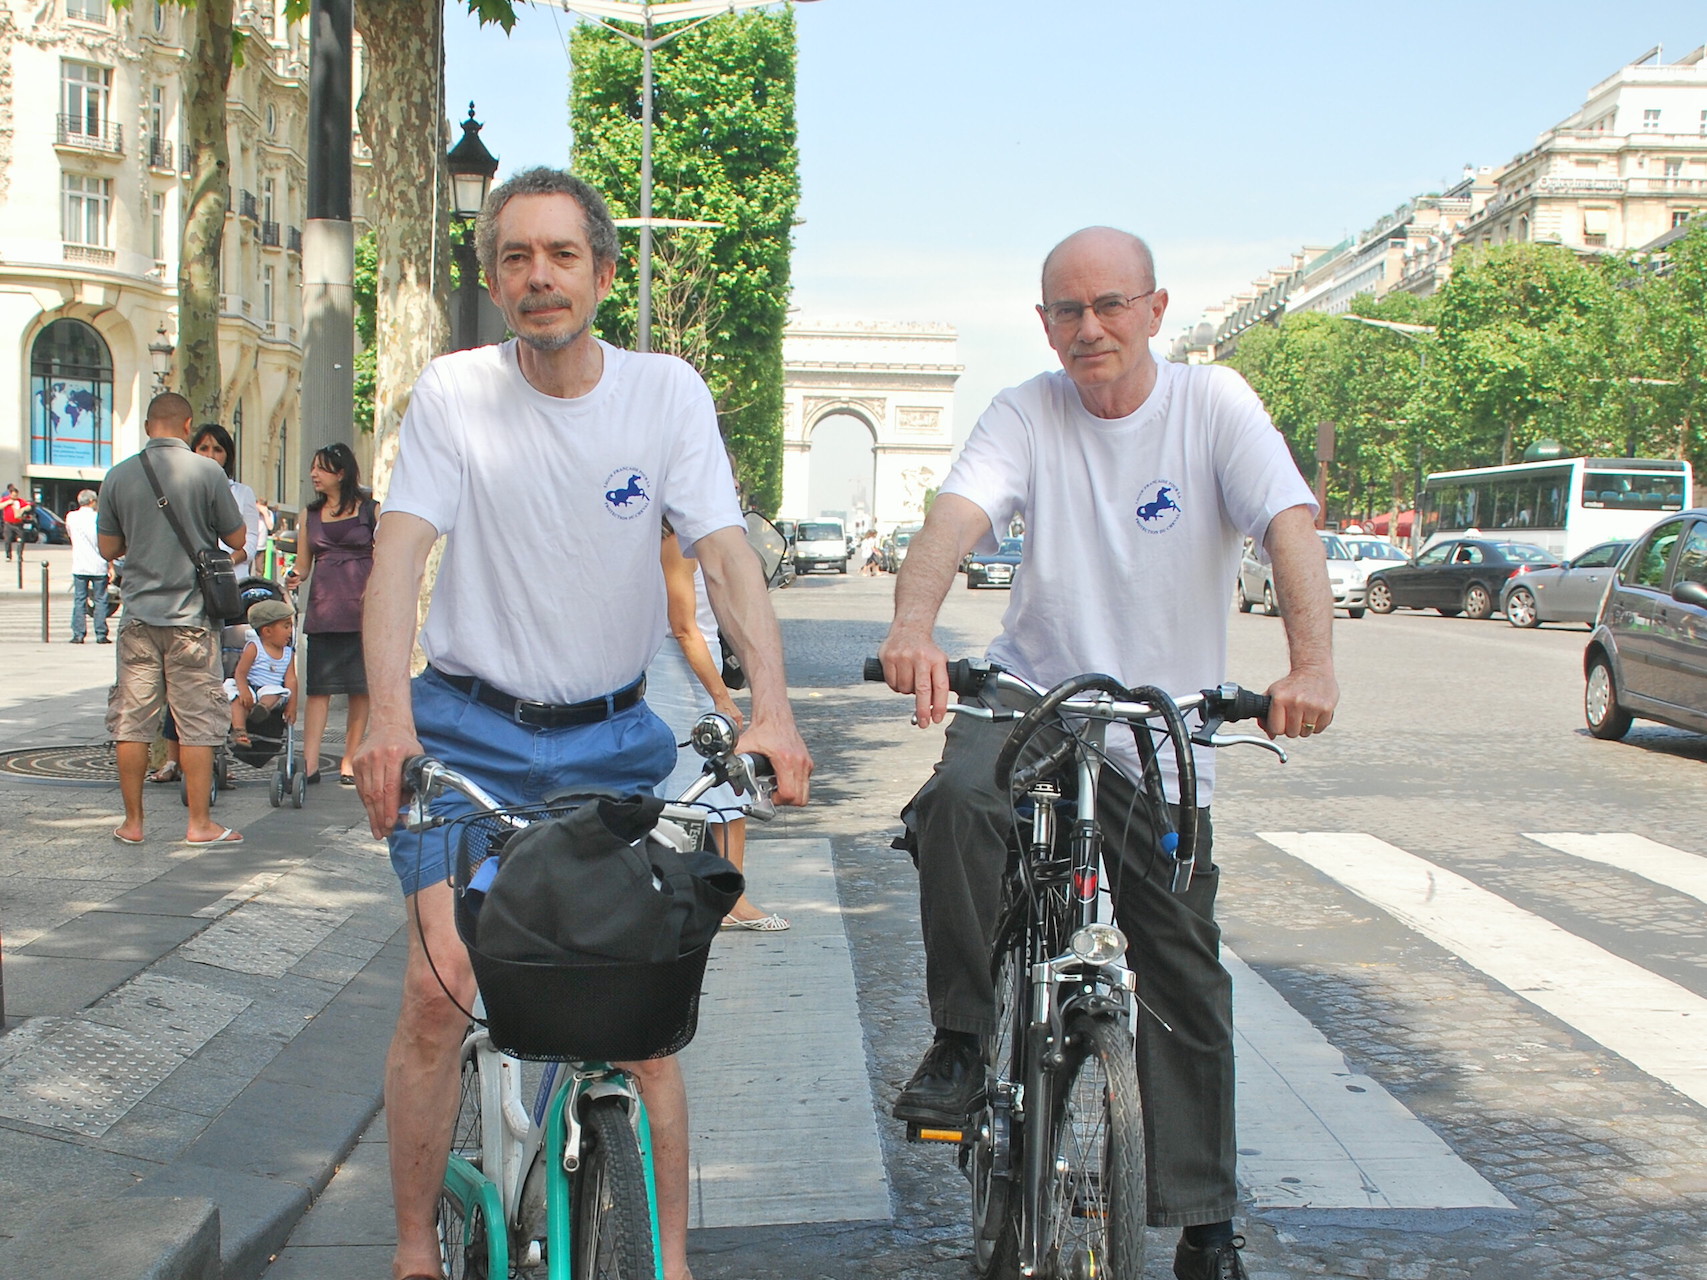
point(1346, 574)
point(1648, 654)
point(1569, 593)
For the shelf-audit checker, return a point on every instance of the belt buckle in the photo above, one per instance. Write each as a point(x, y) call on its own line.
point(525, 709)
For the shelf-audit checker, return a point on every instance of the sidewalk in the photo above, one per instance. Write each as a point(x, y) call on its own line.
point(192, 1036)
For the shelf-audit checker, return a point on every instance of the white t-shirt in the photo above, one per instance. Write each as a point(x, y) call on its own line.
point(550, 586)
point(86, 558)
point(253, 532)
point(1133, 529)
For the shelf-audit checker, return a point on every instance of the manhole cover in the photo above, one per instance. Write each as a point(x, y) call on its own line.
point(96, 763)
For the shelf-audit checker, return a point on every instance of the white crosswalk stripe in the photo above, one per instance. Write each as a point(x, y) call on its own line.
point(1664, 865)
point(1657, 1025)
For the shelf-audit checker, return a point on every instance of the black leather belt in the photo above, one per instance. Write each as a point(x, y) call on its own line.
point(547, 715)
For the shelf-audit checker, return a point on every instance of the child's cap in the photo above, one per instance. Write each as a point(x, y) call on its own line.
point(265, 611)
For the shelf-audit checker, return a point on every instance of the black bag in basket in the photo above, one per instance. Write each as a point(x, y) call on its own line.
point(592, 940)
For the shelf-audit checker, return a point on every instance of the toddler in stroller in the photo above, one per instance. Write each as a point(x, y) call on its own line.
point(260, 665)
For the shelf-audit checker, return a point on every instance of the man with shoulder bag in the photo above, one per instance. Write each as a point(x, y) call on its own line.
point(166, 510)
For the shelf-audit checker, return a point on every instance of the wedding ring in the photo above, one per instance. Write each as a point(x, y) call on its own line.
point(1309, 728)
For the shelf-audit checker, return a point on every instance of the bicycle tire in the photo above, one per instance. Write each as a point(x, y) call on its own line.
point(1095, 1194)
point(996, 1196)
point(463, 1230)
point(612, 1229)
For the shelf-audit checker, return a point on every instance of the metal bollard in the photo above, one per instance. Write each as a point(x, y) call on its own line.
point(45, 632)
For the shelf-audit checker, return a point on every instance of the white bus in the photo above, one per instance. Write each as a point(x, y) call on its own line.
point(1566, 505)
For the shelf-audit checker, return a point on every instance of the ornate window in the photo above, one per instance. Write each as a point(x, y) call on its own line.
point(71, 397)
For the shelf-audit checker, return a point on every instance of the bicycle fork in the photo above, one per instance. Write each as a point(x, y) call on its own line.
point(563, 1135)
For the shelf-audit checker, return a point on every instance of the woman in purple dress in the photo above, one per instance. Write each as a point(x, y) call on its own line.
point(336, 547)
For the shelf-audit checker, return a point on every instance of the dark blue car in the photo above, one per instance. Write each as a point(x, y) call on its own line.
point(996, 568)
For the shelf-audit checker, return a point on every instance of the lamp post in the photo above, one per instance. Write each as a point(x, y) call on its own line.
point(1411, 333)
point(471, 167)
point(649, 14)
point(160, 352)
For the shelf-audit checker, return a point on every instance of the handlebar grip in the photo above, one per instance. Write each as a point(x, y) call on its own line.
point(966, 676)
point(873, 669)
point(1249, 706)
point(412, 769)
point(760, 763)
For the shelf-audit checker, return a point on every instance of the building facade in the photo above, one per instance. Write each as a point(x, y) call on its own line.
point(93, 186)
point(1625, 168)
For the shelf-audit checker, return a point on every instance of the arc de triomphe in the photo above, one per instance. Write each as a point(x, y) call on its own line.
point(897, 378)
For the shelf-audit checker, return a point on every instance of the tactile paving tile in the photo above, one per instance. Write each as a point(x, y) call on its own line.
point(82, 1073)
point(263, 938)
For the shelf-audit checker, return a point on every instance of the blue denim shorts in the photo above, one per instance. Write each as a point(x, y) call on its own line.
point(518, 764)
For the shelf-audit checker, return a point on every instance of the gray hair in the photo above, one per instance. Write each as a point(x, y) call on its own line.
point(545, 181)
point(86, 498)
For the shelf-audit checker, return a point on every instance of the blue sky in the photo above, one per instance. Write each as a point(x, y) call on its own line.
point(947, 144)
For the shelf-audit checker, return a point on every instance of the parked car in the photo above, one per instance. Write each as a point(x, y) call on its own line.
point(995, 568)
point(1346, 574)
point(1647, 657)
point(1371, 547)
point(42, 525)
point(893, 549)
point(820, 544)
point(1459, 576)
point(1570, 593)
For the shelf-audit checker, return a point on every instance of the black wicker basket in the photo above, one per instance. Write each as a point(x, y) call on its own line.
point(596, 1010)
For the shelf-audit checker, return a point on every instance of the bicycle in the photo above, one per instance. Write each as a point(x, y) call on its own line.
point(1055, 1149)
point(567, 1182)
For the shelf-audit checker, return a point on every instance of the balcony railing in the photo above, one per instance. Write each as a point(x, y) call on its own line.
point(90, 255)
point(1668, 186)
point(270, 234)
point(279, 331)
point(231, 304)
point(86, 135)
point(248, 206)
point(293, 239)
point(162, 154)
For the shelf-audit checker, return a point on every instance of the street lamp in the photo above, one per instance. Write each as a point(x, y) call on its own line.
point(160, 352)
point(1412, 333)
point(471, 168)
point(650, 13)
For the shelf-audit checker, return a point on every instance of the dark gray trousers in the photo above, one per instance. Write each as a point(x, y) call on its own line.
point(1186, 1074)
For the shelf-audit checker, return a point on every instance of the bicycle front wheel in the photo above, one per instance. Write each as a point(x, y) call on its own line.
point(1094, 1196)
point(612, 1229)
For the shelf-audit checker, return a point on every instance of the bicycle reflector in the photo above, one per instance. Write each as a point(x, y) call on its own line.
point(1098, 944)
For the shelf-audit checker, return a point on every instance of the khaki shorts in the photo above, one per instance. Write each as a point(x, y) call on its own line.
point(161, 666)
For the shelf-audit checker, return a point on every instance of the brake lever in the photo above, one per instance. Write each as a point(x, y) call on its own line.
point(1208, 739)
point(977, 713)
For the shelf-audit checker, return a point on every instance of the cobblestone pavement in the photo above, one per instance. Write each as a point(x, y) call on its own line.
point(1455, 739)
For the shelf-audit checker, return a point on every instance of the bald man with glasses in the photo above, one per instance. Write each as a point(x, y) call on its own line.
point(1137, 482)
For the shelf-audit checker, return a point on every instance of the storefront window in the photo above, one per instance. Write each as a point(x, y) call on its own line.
point(71, 397)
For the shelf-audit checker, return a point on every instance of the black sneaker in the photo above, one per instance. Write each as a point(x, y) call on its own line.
point(1217, 1262)
point(944, 1089)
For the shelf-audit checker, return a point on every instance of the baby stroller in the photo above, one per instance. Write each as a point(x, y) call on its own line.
point(269, 735)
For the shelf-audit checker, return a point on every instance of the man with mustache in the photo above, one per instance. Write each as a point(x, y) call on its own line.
point(1137, 481)
point(555, 440)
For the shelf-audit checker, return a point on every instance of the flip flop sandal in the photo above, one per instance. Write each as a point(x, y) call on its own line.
point(167, 773)
point(764, 924)
point(125, 839)
point(227, 836)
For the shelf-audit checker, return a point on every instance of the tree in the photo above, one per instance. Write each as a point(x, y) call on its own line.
point(723, 150)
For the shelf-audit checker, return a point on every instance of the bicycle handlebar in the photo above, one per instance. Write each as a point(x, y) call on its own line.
point(966, 676)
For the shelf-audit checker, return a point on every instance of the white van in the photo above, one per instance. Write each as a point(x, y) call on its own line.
point(820, 544)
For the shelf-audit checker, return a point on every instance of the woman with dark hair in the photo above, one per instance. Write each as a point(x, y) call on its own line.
point(213, 441)
point(336, 547)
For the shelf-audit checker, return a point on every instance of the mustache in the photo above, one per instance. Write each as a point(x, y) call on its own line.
point(542, 302)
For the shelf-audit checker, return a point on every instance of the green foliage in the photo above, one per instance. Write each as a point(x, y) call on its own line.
point(366, 303)
point(723, 151)
point(1608, 356)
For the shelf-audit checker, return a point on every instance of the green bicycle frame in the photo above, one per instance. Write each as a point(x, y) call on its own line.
point(559, 1206)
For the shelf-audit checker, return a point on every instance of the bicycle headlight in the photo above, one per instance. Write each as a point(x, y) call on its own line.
point(1098, 944)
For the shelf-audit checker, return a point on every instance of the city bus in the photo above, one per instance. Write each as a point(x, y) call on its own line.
point(1566, 505)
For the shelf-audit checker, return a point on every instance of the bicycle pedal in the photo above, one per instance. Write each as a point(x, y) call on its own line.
point(931, 1133)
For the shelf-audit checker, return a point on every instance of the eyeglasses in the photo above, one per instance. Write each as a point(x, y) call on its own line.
point(1107, 307)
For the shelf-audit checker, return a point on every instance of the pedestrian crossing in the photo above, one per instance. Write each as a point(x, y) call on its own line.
point(1655, 1024)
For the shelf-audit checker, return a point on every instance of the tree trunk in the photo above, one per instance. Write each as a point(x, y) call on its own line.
point(207, 74)
point(401, 115)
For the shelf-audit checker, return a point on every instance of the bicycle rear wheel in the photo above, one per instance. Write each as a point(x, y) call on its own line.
point(1095, 1192)
point(993, 1160)
point(472, 1241)
point(612, 1229)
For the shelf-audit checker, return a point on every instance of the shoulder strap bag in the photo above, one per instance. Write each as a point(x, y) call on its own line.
point(215, 573)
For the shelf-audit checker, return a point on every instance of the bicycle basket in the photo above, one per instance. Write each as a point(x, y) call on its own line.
point(584, 944)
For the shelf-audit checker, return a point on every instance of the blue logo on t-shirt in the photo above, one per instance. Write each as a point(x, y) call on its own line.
point(628, 493)
point(1158, 506)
